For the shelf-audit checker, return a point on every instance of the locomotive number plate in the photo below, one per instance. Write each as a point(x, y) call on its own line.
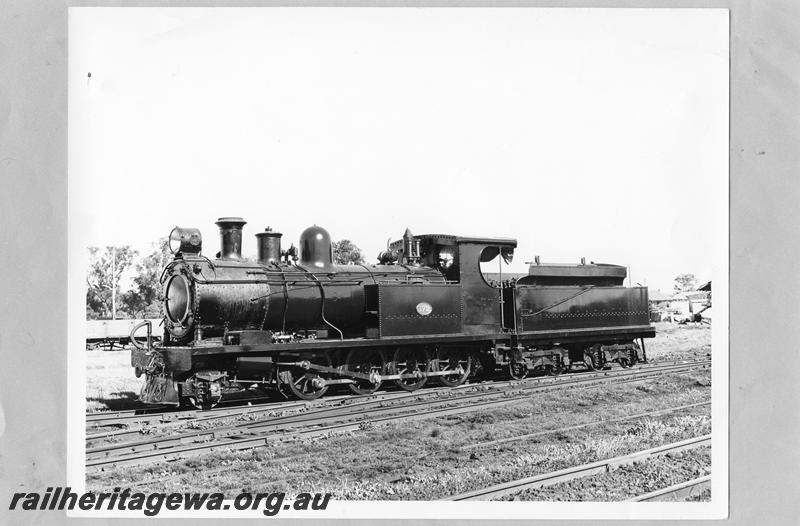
point(424, 308)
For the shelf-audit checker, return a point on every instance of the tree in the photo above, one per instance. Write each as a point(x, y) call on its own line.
point(345, 252)
point(685, 282)
point(143, 300)
point(105, 270)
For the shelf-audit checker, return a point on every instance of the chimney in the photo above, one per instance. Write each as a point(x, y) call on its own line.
point(230, 238)
point(269, 246)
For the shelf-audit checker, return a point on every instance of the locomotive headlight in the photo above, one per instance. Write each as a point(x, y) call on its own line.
point(185, 240)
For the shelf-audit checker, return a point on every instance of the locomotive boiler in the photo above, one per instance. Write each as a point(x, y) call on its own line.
point(282, 292)
point(294, 321)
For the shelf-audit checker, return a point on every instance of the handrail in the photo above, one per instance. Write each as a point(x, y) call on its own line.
point(564, 300)
point(149, 335)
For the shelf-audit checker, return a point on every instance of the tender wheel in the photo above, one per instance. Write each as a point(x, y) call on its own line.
point(303, 383)
point(409, 360)
point(598, 358)
point(517, 370)
point(365, 361)
point(624, 362)
point(459, 363)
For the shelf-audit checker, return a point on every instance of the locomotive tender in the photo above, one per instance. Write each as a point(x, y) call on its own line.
point(301, 324)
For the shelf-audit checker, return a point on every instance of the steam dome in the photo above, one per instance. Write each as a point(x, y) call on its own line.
point(315, 247)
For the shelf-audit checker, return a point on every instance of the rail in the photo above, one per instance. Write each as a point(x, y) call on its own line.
point(677, 491)
point(585, 470)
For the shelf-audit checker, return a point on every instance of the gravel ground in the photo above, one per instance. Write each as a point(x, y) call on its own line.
point(679, 342)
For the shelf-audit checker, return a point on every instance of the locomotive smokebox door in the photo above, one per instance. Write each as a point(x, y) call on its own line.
point(399, 309)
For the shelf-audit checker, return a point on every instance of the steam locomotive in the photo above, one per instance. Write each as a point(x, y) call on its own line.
point(296, 322)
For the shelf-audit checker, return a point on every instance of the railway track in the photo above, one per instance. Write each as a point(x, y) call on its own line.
point(327, 419)
point(676, 492)
point(134, 421)
point(585, 470)
point(308, 457)
point(155, 413)
point(347, 404)
point(171, 419)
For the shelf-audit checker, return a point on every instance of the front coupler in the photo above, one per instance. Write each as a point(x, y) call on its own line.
point(159, 387)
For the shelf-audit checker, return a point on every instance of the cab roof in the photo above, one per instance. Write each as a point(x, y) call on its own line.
point(449, 239)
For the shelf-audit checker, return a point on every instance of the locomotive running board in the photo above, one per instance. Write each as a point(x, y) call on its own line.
point(319, 344)
point(590, 333)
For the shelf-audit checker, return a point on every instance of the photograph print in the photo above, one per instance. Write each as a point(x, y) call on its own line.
point(399, 263)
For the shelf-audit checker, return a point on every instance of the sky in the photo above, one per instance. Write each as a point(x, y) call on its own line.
point(581, 133)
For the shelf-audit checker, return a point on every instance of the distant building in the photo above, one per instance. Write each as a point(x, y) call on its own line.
point(700, 301)
point(681, 306)
point(659, 304)
point(657, 297)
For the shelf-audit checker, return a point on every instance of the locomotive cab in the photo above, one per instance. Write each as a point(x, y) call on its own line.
point(459, 260)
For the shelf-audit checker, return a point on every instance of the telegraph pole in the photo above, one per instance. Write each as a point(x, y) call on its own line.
point(113, 283)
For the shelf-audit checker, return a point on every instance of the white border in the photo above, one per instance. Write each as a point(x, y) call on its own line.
point(78, 200)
